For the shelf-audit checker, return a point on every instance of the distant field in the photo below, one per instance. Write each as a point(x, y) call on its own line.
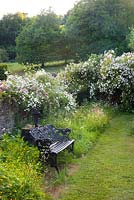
point(52, 67)
point(15, 67)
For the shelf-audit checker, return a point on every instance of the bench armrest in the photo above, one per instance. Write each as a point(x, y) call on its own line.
point(65, 131)
point(45, 143)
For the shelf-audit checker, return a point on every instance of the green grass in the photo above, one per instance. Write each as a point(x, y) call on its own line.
point(15, 67)
point(52, 67)
point(55, 66)
point(106, 172)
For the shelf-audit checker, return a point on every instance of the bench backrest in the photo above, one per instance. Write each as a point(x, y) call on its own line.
point(50, 133)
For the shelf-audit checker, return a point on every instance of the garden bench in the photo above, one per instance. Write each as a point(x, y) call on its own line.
point(50, 142)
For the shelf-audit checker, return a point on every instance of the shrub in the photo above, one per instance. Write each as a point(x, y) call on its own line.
point(14, 148)
point(3, 69)
point(104, 77)
point(19, 170)
point(19, 181)
point(116, 83)
point(59, 98)
point(81, 79)
point(130, 38)
point(38, 90)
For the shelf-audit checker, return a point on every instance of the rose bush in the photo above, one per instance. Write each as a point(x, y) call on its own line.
point(38, 90)
point(107, 77)
point(116, 81)
point(81, 79)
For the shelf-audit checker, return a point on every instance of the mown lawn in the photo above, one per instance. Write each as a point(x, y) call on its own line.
point(52, 67)
point(15, 67)
point(106, 172)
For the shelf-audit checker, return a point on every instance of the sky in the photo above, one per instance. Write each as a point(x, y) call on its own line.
point(33, 7)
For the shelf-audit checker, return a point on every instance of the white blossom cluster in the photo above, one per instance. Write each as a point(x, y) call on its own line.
point(38, 90)
point(26, 90)
point(117, 76)
point(106, 74)
point(82, 76)
point(58, 96)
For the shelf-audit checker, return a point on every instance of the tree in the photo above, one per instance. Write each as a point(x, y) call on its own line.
point(65, 50)
point(38, 41)
point(3, 55)
point(131, 39)
point(10, 26)
point(98, 25)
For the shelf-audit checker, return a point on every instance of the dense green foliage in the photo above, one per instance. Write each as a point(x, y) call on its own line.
point(37, 43)
point(10, 27)
point(19, 170)
point(131, 39)
point(3, 55)
point(90, 27)
point(3, 69)
point(96, 26)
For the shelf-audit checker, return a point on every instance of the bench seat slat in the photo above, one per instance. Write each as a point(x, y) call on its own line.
point(60, 146)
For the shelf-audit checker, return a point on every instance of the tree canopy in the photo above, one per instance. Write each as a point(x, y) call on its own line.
point(37, 43)
point(131, 39)
point(98, 25)
point(91, 26)
point(10, 27)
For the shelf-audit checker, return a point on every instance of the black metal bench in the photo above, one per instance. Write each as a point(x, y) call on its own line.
point(50, 141)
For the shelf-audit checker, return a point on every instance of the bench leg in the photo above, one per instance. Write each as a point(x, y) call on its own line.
point(53, 161)
point(57, 169)
point(71, 148)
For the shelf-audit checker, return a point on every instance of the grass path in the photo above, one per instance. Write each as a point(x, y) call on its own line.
point(107, 172)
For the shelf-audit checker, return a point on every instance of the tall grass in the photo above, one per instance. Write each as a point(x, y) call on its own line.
point(86, 124)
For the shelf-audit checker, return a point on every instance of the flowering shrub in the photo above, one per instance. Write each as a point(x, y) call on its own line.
point(26, 91)
point(104, 77)
point(81, 79)
point(36, 91)
point(130, 38)
point(58, 96)
point(116, 81)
